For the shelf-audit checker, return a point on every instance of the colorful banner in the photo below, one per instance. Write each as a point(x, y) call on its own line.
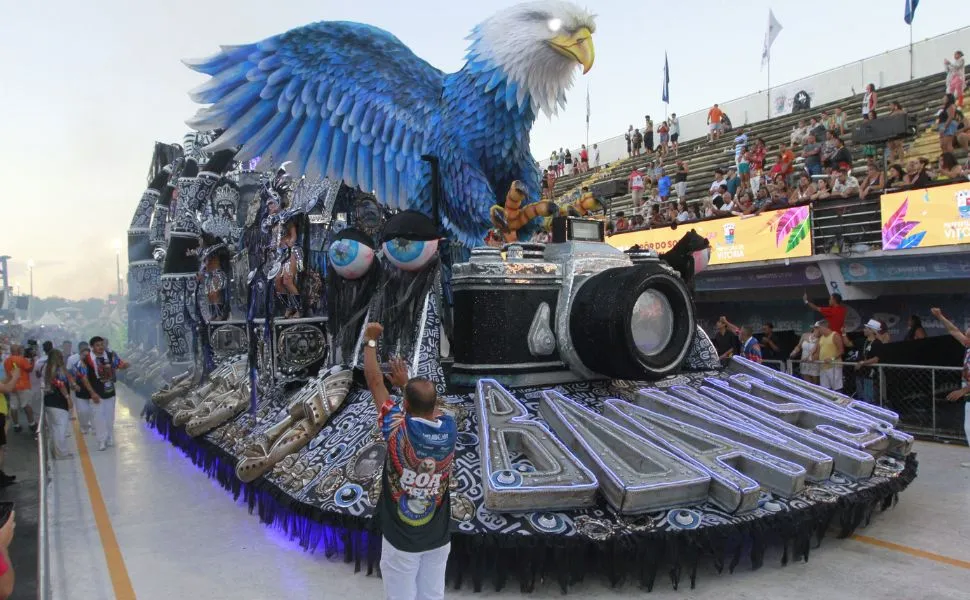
point(922, 218)
point(771, 235)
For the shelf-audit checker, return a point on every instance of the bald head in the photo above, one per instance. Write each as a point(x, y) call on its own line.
point(420, 397)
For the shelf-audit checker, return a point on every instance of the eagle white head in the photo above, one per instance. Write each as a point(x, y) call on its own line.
point(538, 46)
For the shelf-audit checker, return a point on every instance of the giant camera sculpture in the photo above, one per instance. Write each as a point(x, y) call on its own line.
point(573, 310)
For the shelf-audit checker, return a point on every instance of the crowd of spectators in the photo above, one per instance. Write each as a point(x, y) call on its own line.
point(815, 165)
point(664, 140)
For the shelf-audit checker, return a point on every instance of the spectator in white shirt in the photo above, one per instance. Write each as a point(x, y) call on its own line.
point(798, 134)
point(845, 185)
point(82, 406)
point(596, 157)
point(718, 182)
point(674, 124)
point(683, 215)
point(740, 143)
point(636, 187)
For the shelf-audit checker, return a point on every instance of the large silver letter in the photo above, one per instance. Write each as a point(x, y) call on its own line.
point(699, 410)
point(796, 423)
point(738, 471)
point(635, 474)
point(556, 479)
point(877, 417)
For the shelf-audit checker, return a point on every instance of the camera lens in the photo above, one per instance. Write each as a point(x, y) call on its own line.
point(632, 322)
point(652, 323)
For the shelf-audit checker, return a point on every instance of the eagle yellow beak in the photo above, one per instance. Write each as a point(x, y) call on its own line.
point(578, 45)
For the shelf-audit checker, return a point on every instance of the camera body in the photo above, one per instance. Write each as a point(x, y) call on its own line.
point(576, 309)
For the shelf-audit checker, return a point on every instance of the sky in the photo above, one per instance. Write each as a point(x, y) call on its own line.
point(88, 87)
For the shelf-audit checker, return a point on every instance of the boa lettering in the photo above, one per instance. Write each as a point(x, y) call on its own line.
point(420, 485)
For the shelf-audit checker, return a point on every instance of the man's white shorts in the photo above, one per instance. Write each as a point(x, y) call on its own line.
point(831, 378)
point(21, 399)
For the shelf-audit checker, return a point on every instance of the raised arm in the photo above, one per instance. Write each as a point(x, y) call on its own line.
point(951, 328)
point(372, 368)
point(809, 304)
point(731, 327)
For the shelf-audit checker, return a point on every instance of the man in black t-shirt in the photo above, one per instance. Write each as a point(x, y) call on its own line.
point(769, 348)
point(871, 349)
point(97, 374)
point(726, 343)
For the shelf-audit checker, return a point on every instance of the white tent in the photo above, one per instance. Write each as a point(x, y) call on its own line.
point(49, 320)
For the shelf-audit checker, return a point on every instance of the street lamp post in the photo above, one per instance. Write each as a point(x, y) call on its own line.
point(30, 301)
point(117, 246)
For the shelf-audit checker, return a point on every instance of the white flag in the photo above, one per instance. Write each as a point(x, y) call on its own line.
point(774, 28)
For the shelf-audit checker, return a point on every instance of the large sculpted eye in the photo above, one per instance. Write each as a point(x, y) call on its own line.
point(350, 256)
point(410, 255)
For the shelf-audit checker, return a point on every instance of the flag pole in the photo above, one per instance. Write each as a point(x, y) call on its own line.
point(587, 117)
point(911, 50)
point(769, 82)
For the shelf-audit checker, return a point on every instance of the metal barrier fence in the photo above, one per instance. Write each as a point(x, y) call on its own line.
point(43, 479)
point(776, 364)
point(918, 393)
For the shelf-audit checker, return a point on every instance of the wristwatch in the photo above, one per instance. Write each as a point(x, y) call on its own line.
point(372, 343)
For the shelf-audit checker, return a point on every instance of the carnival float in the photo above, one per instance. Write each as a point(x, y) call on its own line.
point(335, 178)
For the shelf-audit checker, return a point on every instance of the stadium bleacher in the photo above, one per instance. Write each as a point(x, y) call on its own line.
point(919, 97)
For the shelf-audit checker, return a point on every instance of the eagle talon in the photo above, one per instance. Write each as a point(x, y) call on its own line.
point(499, 218)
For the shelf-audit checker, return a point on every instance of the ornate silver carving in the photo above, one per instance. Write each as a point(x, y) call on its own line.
point(635, 474)
point(738, 471)
point(178, 315)
point(558, 479)
point(142, 218)
point(219, 218)
point(299, 346)
point(542, 342)
point(192, 194)
point(311, 408)
point(227, 339)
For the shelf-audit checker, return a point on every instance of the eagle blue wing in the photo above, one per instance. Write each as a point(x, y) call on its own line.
point(342, 100)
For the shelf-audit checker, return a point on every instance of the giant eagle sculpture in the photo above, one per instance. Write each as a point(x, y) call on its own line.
point(351, 102)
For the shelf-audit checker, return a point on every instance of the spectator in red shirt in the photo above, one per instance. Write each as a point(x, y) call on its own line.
point(834, 313)
point(583, 159)
point(22, 396)
point(786, 159)
point(758, 155)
